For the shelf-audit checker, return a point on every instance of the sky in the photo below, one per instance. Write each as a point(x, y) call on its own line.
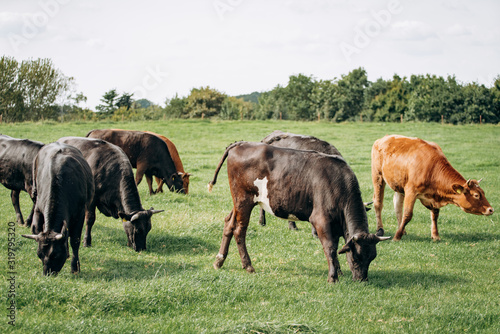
point(157, 49)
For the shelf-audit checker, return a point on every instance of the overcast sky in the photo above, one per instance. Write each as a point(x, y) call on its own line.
point(156, 49)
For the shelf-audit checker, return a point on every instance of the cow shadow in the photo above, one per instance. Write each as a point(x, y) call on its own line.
point(384, 279)
point(446, 237)
point(162, 244)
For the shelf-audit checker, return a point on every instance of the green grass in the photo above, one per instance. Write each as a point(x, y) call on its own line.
point(415, 285)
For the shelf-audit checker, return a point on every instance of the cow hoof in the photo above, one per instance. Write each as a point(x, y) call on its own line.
point(218, 265)
point(333, 280)
point(436, 238)
point(380, 232)
point(250, 269)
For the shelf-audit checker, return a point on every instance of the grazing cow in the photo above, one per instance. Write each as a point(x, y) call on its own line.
point(298, 185)
point(177, 162)
point(16, 169)
point(146, 152)
point(297, 142)
point(417, 169)
point(116, 194)
point(62, 181)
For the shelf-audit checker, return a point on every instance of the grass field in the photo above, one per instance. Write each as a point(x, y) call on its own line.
point(415, 286)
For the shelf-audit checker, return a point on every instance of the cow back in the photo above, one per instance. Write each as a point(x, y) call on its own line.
point(16, 162)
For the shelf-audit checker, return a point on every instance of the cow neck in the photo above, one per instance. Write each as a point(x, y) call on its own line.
point(129, 195)
point(355, 218)
point(444, 177)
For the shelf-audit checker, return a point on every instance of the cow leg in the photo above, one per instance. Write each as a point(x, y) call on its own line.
point(227, 234)
point(159, 182)
point(30, 217)
point(314, 232)
point(330, 245)
point(14, 196)
point(398, 201)
point(149, 180)
point(90, 218)
point(138, 175)
point(409, 202)
point(434, 226)
point(262, 217)
point(292, 225)
point(378, 199)
point(75, 235)
point(242, 217)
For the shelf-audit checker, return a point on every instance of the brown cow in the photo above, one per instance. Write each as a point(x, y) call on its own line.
point(417, 169)
point(177, 162)
point(146, 152)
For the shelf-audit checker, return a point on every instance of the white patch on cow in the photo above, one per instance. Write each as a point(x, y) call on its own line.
point(293, 218)
point(219, 256)
point(262, 198)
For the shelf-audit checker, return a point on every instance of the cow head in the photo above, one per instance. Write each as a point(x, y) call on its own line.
point(137, 227)
point(52, 249)
point(175, 182)
point(471, 199)
point(360, 251)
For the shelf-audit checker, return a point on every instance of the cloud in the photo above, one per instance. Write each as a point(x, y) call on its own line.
point(11, 23)
point(412, 31)
point(458, 30)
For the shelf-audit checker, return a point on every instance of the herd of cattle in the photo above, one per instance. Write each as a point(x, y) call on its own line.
point(294, 177)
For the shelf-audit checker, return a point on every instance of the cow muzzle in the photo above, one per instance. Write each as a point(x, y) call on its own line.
point(489, 211)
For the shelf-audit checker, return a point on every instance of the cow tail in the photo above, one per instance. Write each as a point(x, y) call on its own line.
point(88, 134)
point(219, 166)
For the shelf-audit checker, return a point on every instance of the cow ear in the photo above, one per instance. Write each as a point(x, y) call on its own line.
point(458, 188)
point(124, 216)
point(346, 248)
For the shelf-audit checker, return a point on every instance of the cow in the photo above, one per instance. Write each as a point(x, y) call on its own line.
point(64, 187)
point(16, 170)
point(146, 152)
point(298, 142)
point(418, 169)
point(177, 162)
point(298, 185)
point(116, 193)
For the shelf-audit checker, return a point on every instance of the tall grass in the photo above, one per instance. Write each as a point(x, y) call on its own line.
point(415, 285)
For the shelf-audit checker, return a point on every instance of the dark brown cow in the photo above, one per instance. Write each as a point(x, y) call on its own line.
point(64, 187)
point(116, 194)
point(417, 169)
point(16, 170)
point(146, 152)
point(298, 185)
point(177, 162)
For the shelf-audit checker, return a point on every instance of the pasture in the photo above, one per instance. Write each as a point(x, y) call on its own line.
point(415, 285)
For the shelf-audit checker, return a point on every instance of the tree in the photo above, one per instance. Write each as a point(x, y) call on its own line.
point(108, 99)
point(125, 100)
point(349, 95)
point(204, 102)
point(30, 89)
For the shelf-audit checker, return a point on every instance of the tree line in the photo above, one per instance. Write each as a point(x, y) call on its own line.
point(35, 89)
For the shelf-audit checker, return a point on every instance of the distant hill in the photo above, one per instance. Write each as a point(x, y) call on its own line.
point(252, 97)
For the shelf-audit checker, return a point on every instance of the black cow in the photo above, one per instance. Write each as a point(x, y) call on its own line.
point(298, 185)
point(297, 142)
point(146, 152)
point(116, 194)
point(64, 187)
point(16, 169)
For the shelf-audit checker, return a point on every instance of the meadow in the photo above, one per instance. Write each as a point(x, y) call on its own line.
point(415, 285)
